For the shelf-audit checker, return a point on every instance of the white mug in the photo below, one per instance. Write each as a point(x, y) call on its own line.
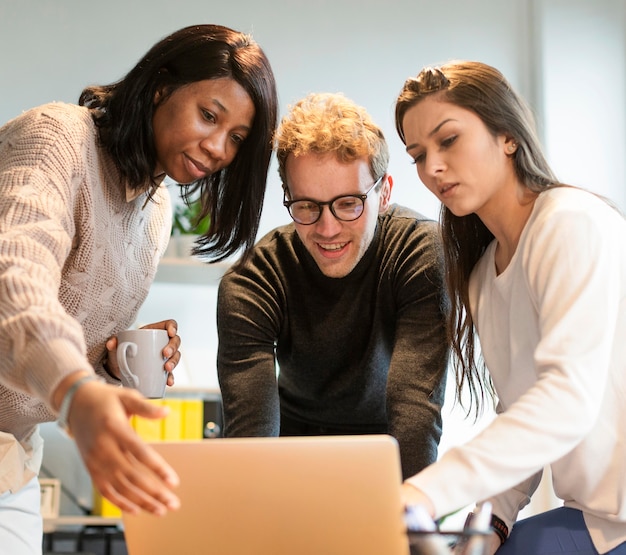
point(140, 360)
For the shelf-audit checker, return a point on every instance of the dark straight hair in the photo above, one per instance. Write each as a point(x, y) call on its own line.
point(233, 197)
point(483, 90)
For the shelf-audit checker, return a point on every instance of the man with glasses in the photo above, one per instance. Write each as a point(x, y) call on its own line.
point(336, 322)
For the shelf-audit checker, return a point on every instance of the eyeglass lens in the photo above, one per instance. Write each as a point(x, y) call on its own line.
point(346, 208)
point(343, 208)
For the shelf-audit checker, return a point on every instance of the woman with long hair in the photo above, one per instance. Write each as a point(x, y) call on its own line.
point(536, 271)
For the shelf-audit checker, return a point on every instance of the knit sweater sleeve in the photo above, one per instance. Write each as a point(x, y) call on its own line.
point(248, 321)
point(417, 368)
point(39, 168)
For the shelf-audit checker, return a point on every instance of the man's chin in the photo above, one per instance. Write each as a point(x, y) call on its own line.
point(339, 269)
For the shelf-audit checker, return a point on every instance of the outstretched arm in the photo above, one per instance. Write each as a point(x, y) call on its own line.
point(122, 466)
point(246, 366)
point(418, 369)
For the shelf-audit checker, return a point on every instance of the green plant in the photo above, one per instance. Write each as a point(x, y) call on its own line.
point(186, 220)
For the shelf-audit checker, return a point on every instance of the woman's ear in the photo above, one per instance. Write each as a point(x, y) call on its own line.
point(510, 145)
point(161, 94)
point(385, 194)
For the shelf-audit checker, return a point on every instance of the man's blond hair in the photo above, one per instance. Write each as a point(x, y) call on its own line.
point(323, 123)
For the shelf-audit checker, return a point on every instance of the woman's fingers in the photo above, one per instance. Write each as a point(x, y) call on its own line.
point(123, 467)
point(171, 351)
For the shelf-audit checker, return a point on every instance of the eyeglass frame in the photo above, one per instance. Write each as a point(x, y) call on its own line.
point(362, 197)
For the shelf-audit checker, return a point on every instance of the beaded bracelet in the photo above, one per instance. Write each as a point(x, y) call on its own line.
point(69, 397)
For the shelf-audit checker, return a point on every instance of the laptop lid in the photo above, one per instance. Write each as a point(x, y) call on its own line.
point(278, 496)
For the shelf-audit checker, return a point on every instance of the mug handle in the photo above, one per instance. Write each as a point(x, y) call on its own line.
point(128, 378)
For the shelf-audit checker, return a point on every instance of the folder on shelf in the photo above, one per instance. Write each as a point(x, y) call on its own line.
point(192, 419)
point(148, 429)
point(104, 507)
point(185, 421)
point(172, 424)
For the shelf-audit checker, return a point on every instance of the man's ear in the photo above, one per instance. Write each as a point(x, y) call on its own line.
point(385, 194)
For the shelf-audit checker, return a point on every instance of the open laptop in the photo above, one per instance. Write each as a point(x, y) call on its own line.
point(326, 495)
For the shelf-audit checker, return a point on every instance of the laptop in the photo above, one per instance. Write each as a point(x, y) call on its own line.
point(324, 495)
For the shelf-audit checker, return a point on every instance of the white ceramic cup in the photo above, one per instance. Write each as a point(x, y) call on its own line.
point(140, 360)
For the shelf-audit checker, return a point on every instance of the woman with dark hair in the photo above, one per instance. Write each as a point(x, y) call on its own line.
point(84, 220)
point(231, 193)
point(536, 270)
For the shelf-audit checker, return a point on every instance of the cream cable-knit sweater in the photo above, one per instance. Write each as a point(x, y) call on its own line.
point(76, 257)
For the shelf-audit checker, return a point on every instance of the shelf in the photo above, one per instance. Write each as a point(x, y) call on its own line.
point(190, 271)
point(192, 391)
point(52, 524)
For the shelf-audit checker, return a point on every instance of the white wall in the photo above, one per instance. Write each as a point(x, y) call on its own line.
point(583, 75)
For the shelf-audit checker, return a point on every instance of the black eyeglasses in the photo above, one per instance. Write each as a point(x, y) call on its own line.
point(346, 208)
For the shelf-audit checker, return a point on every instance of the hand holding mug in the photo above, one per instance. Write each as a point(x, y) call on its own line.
point(163, 346)
point(141, 362)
